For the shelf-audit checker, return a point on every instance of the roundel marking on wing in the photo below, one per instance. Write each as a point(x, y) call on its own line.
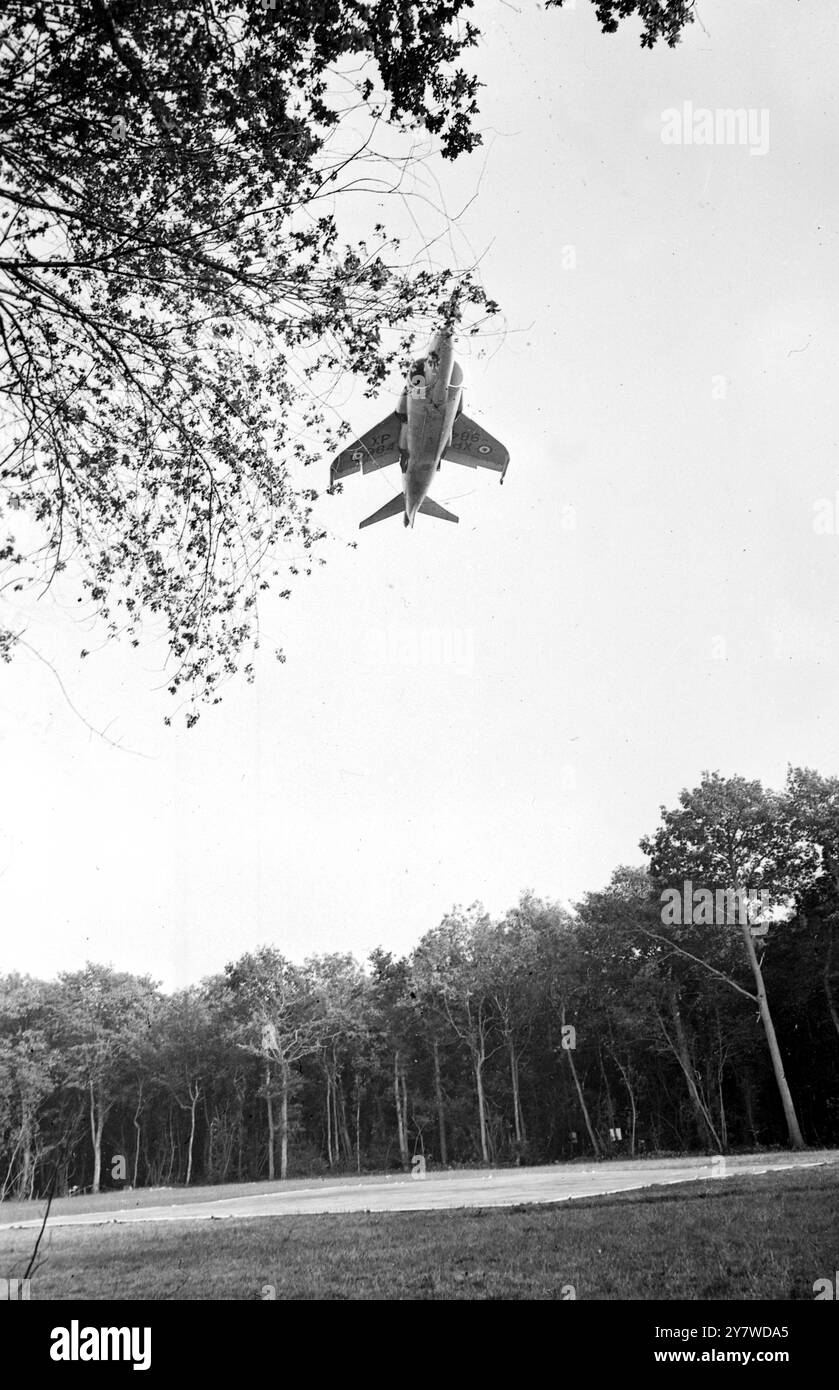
point(484, 449)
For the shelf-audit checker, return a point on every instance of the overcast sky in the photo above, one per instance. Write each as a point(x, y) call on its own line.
point(469, 711)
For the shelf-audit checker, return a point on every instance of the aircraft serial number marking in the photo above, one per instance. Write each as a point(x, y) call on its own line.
point(379, 444)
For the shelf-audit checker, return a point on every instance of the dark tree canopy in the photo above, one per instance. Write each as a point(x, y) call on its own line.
point(661, 19)
point(173, 288)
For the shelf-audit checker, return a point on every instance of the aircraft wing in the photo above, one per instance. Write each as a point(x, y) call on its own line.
point(375, 449)
point(472, 446)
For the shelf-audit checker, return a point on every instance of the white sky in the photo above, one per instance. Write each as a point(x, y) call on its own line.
point(646, 596)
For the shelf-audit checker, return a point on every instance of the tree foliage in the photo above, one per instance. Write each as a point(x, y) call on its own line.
point(660, 19)
point(175, 289)
point(173, 286)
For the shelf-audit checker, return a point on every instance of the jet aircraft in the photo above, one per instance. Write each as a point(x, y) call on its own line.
point(427, 426)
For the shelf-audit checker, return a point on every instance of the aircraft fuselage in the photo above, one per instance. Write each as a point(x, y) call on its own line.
point(432, 397)
point(427, 425)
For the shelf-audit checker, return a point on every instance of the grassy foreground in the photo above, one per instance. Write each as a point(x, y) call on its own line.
point(769, 1236)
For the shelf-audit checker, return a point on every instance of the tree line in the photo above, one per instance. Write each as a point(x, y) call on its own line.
point(618, 1026)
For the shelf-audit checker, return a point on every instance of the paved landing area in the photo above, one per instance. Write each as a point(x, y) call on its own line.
point(501, 1187)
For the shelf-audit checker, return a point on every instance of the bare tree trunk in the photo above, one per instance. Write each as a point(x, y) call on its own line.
point(193, 1106)
point(336, 1115)
point(610, 1109)
point(286, 1081)
point(796, 1138)
point(627, 1083)
point(591, 1134)
point(569, 1052)
point(342, 1110)
point(271, 1129)
point(328, 1117)
point(482, 1122)
point(138, 1131)
point(723, 1123)
point(25, 1180)
point(404, 1083)
point(209, 1142)
point(681, 1052)
point(8, 1185)
point(441, 1113)
point(518, 1117)
point(97, 1124)
point(746, 1090)
point(720, 1074)
point(401, 1127)
point(172, 1149)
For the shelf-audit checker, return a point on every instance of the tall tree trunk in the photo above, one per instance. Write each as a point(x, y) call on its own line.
point(479, 1087)
point(336, 1129)
point(329, 1153)
point(8, 1184)
point(720, 1074)
point(581, 1098)
point(269, 1103)
point(24, 1184)
point(610, 1109)
point(569, 1052)
point(404, 1084)
point(796, 1138)
point(209, 1142)
point(441, 1112)
point(681, 1051)
point(286, 1082)
point(97, 1124)
point(627, 1083)
point(193, 1106)
point(342, 1110)
point(518, 1117)
point(173, 1147)
point(401, 1127)
point(137, 1129)
point(723, 1122)
point(747, 1091)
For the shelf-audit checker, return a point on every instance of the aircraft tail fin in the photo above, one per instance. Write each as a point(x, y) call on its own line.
point(395, 507)
point(429, 507)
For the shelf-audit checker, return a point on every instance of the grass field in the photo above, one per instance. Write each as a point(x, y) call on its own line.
point(769, 1236)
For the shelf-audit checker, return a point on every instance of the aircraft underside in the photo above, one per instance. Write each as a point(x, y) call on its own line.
point(427, 427)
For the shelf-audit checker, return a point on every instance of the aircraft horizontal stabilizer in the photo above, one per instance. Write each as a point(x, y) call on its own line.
point(431, 508)
point(395, 507)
